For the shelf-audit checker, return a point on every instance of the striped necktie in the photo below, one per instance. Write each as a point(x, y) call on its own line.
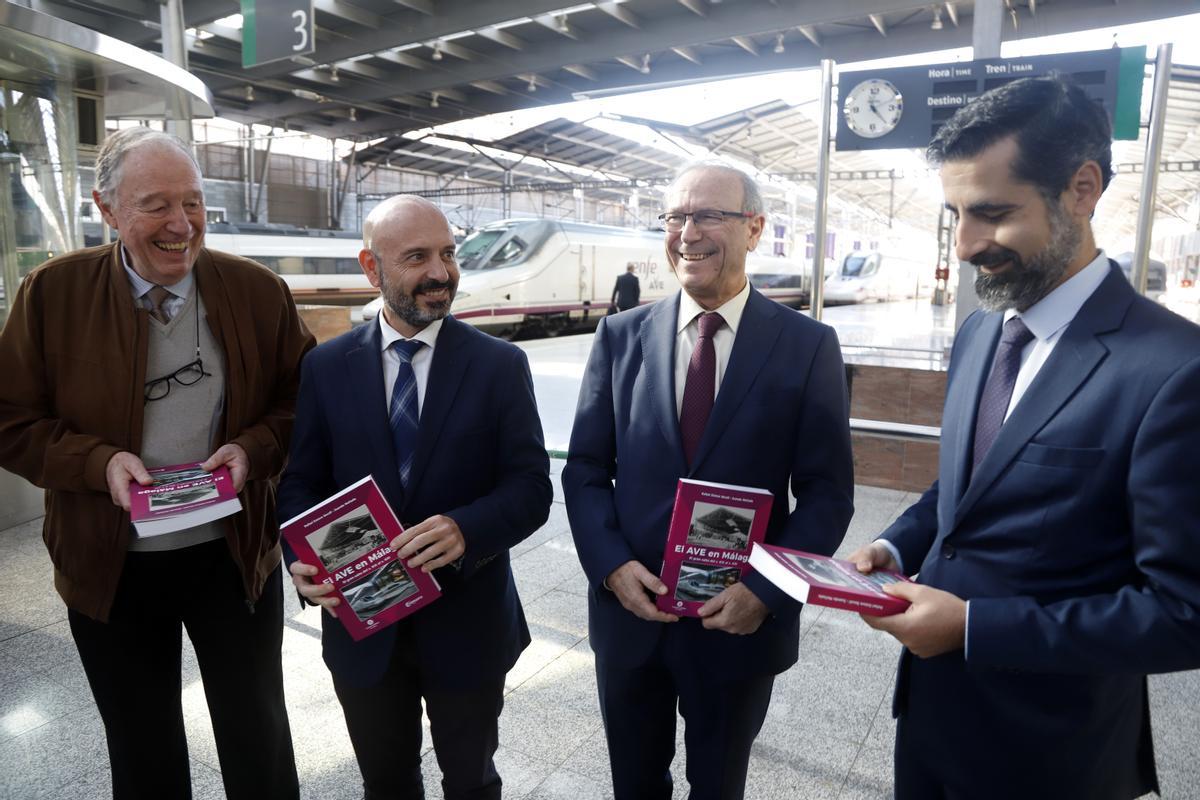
point(403, 412)
point(157, 297)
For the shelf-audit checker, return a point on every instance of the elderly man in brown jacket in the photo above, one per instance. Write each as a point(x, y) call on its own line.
point(152, 352)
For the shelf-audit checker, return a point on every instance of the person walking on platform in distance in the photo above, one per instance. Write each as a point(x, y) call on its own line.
point(627, 290)
point(82, 414)
point(469, 482)
point(779, 421)
point(1056, 553)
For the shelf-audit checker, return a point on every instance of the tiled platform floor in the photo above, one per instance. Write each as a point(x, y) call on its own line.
point(838, 747)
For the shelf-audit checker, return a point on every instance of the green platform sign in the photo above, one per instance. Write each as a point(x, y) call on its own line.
point(898, 108)
point(273, 30)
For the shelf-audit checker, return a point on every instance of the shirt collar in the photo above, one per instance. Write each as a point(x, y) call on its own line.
point(141, 285)
point(428, 335)
point(1055, 311)
point(731, 311)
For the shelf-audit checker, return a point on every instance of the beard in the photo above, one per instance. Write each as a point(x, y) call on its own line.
point(1026, 282)
point(405, 306)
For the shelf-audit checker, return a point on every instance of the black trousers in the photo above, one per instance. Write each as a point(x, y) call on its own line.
point(384, 722)
point(721, 721)
point(133, 665)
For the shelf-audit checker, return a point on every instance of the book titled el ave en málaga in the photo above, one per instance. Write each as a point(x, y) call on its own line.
point(824, 581)
point(346, 537)
point(708, 543)
point(181, 496)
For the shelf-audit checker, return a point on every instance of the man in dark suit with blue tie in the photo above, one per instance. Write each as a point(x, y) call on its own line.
point(1056, 553)
point(720, 384)
point(444, 418)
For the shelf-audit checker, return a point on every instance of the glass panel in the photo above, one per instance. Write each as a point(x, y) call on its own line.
point(39, 179)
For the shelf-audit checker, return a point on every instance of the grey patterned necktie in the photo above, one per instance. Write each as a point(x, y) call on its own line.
point(997, 392)
point(157, 296)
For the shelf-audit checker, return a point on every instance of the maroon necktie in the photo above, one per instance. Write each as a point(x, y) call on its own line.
point(997, 392)
point(701, 385)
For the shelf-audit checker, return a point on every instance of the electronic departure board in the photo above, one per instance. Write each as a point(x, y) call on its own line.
point(904, 107)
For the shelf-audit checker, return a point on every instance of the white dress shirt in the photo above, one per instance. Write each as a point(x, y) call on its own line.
point(420, 362)
point(687, 331)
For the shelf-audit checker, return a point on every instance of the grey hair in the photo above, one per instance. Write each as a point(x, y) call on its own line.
point(752, 201)
point(117, 145)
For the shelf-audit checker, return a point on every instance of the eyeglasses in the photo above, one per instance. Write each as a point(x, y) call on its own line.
point(187, 375)
point(705, 218)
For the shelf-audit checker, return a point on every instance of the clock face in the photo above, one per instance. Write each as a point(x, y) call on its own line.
point(873, 108)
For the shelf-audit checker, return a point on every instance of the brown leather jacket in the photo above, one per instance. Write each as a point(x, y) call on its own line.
point(72, 368)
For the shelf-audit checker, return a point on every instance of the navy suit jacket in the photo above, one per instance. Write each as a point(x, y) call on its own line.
point(780, 422)
point(1076, 543)
point(480, 460)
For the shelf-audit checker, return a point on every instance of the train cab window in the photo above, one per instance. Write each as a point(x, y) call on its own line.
point(853, 266)
point(475, 246)
point(510, 251)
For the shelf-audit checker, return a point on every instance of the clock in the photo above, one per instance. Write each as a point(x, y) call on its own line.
point(873, 108)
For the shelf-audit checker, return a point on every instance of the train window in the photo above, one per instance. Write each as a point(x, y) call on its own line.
point(853, 266)
point(474, 246)
point(512, 250)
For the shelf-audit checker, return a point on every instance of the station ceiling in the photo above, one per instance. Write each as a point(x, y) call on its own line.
point(384, 67)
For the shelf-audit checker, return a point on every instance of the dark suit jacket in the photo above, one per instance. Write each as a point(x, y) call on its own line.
point(626, 291)
point(480, 460)
point(1076, 543)
point(780, 422)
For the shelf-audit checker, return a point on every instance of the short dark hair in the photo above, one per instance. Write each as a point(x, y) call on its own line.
point(1057, 128)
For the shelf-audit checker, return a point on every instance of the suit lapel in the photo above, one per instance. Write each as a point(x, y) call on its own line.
point(756, 335)
point(658, 357)
point(364, 368)
point(450, 363)
point(1071, 363)
point(963, 399)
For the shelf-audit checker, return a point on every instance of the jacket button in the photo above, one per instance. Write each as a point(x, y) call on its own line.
point(947, 551)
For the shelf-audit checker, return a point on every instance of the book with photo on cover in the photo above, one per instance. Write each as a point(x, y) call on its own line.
point(181, 496)
point(824, 581)
point(708, 543)
point(346, 537)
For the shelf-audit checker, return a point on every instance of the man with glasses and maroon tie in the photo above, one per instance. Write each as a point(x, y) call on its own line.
point(152, 352)
point(720, 384)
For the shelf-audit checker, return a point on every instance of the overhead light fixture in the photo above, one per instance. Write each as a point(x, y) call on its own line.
point(778, 43)
point(937, 19)
point(561, 22)
point(249, 93)
point(353, 114)
point(532, 83)
point(333, 74)
point(434, 102)
point(437, 51)
point(305, 94)
point(645, 70)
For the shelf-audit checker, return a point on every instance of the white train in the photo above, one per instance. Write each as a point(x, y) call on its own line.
point(542, 276)
point(864, 276)
point(318, 266)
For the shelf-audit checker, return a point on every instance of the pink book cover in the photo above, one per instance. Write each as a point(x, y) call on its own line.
point(824, 581)
point(708, 544)
point(346, 538)
point(182, 496)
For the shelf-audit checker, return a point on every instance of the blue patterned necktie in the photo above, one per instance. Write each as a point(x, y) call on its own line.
point(993, 403)
point(403, 412)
